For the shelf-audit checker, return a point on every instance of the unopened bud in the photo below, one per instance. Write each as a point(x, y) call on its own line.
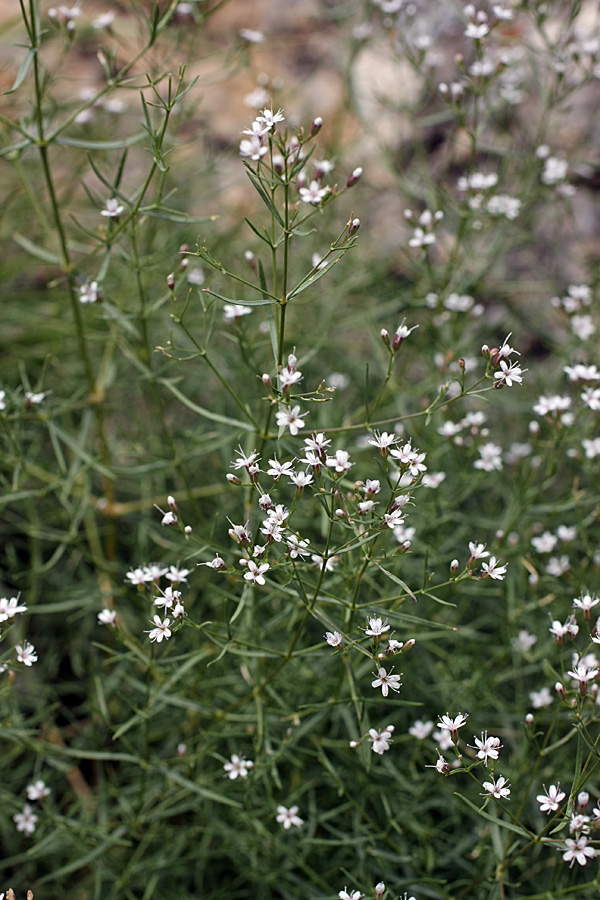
point(529, 718)
point(406, 545)
point(583, 798)
point(250, 258)
point(353, 226)
point(443, 87)
point(461, 364)
point(354, 177)
point(316, 126)
point(558, 687)
point(354, 744)
point(188, 529)
point(340, 514)
point(385, 336)
point(232, 479)
point(379, 890)
point(181, 748)
point(454, 566)
point(171, 281)
point(408, 645)
point(172, 503)
point(485, 351)
point(266, 380)
point(534, 428)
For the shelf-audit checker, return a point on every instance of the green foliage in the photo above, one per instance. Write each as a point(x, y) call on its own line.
point(327, 441)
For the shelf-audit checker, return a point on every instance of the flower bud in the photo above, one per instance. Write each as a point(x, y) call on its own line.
point(340, 513)
point(385, 336)
point(354, 177)
point(485, 351)
point(529, 718)
point(232, 479)
point(408, 645)
point(558, 687)
point(353, 226)
point(316, 126)
point(461, 364)
point(266, 380)
point(172, 503)
point(188, 529)
point(379, 890)
point(171, 281)
point(583, 798)
point(181, 748)
point(354, 744)
point(454, 566)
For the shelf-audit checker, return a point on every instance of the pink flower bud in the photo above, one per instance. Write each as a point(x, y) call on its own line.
point(408, 645)
point(354, 177)
point(583, 798)
point(232, 479)
point(171, 281)
point(558, 687)
point(316, 126)
point(353, 226)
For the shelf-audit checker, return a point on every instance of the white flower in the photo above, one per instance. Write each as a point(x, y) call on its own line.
point(452, 725)
point(545, 543)
point(591, 448)
point(112, 209)
point(256, 573)
point(583, 327)
point(314, 193)
point(420, 729)
point(253, 147)
point(381, 740)
point(551, 800)
point(160, 631)
point(176, 574)
point(493, 569)
point(288, 817)
point(26, 654)
point(385, 681)
point(217, 563)
point(340, 463)
point(297, 547)
point(578, 850)
point(487, 747)
point(499, 789)
point(510, 373)
point(349, 895)
point(334, 638)
point(377, 627)
point(169, 518)
point(491, 458)
point(88, 292)
point(542, 698)
point(252, 36)
point(238, 767)
point(26, 820)
point(10, 608)
point(104, 20)
point(478, 551)
point(290, 418)
point(107, 617)
point(37, 790)
point(524, 641)
point(233, 311)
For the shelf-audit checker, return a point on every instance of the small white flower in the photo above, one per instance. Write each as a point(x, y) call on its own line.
point(381, 740)
point(487, 747)
point(160, 631)
point(421, 730)
point(234, 311)
point(112, 209)
point(349, 895)
point(499, 789)
point(26, 820)
point(577, 850)
point(289, 817)
point(377, 627)
point(26, 654)
point(493, 569)
point(256, 572)
point(290, 418)
point(239, 766)
point(386, 681)
point(107, 617)
point(37, 790)
point(314, 193)
point(551, 800)
point(88, 292)
point(334, 638)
